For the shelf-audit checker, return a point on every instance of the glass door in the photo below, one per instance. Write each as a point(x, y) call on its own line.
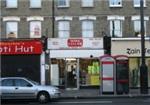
point(71, 74)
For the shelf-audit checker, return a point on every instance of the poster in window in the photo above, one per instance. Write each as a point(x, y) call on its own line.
point(35, 29)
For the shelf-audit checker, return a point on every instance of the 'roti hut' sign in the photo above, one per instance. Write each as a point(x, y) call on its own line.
point(20, 47)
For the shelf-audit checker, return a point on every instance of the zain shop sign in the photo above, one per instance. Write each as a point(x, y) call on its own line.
point(132, 51)
point(21, 47)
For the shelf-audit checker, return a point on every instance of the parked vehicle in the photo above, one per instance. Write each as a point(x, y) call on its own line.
point(23, 88)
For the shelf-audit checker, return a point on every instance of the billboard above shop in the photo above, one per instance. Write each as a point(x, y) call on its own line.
point(75, 43)
point(20, 47)
point(129, 46)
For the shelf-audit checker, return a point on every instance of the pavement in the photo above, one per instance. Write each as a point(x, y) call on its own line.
point(95, 94)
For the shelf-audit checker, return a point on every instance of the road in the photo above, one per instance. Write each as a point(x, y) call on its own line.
point(114, 101)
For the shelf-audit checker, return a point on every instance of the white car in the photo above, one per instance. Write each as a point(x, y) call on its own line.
point(23, 88)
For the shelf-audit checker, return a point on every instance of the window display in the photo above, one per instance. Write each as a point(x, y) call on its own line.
point(148, 66)
point(134, 71)
point(89, 72)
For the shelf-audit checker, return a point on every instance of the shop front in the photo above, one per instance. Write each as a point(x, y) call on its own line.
point(75, 62)
point(21, 58)
point(131, 47)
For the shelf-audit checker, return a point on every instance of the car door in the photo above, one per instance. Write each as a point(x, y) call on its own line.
point(24, 89)
point(7, 88)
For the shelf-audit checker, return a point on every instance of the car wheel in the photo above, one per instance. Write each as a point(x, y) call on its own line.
point(43, 97)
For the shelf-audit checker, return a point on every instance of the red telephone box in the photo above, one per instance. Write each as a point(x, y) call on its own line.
point(107, 74)
point(122, 74)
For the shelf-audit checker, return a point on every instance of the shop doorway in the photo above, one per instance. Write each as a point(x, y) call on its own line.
point(72, 74)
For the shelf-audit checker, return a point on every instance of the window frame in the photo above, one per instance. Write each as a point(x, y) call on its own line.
point(115, 5)
point(16, 4)
point(15, 33)
point(138, 20)
point(83, 3)
point(30, 29)
point(88, 30)
point(67, 2)
point(32, 2)
point(111, 28)
point(138, 5)
point(67, 30)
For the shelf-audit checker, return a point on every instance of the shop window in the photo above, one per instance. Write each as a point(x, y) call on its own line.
point(87, 28)
point(35, 29)
point(148, 66)
point(35, 3)
point(87, 3)
point(89, 72)
point(63, 29)
point(134, 71)
point(11, 29)
point(11, 3)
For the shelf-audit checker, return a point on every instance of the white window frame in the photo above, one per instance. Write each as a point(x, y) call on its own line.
point(88, 29)
point(11, 3)
point(118, 18)
point(116, 30)
point(67, 4)
point(137, 18)
point(138, 5)
point(61, 32)
point(87, 3)
point(32, 4)
point(36, 29)
point(113, 4)
point(14, 32)
point(87, 18)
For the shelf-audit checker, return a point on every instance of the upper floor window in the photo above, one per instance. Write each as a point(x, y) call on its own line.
point(87, 28)
point(35, 29)
point(12, 29)
point(35, 3)
point(137, 25)
point(87, 3)
point(11, 3)
point(35, 26)
point(116, 28)
point(116, 25)
point(87, 25)
point(115, 3)
point(63, 3)
point(63, 29)
point(137, 3)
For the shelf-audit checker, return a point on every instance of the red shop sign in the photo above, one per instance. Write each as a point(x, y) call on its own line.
point(21, 47)
point(75, 42)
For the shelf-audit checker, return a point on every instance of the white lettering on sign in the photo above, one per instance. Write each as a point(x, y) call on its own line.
point(75, 42)
point(5, 49)
point(24, 49)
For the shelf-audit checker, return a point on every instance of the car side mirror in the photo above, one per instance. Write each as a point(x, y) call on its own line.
point(29, 85)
